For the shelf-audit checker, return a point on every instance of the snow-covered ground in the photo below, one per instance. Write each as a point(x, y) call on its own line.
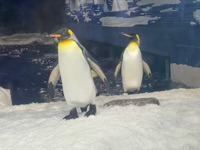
point(24, 39)
point(168, 10)
point(126, 22)
point(172, 125)
point(119, 5)
point(185, 74)
point(158, 2)
point(5, 98)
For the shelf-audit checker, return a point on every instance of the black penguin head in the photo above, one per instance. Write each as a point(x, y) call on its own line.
point(62, 34)
point(132, 37)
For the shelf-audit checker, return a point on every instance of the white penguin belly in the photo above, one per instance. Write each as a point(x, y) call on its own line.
point(78, 85)
point(132, 71)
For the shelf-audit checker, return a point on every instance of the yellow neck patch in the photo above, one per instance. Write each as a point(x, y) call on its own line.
point(133, 46)
point(68, 45)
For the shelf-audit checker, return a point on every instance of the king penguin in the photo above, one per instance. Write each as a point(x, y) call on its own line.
point(132, 65)
point(55, 76)
point(74, 67)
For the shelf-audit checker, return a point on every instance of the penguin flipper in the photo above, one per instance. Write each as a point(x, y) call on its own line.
point(53, 79)
point(93, 64)
point(100, 73)
point(117, 69)
point(97, 69)
point(146, 69)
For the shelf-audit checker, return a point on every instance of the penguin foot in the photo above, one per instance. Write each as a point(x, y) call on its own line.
point(92, 110)
point(84, 109)
point(72, 115)
point(97, 94)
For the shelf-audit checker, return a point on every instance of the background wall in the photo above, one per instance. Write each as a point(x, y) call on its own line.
point(30, 15)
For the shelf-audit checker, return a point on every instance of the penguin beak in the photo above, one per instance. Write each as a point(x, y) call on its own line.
point(55, 35)
point(126, 35)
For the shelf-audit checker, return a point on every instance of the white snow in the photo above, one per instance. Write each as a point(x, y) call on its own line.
point(197, 1)
point(86, 17)
point(105, 7)
point(172, 125)
point(185, 74)
point(131, 10)
point(168, 10)
point(66, 1)
point(5, 98)
point(89, 1)
point(82, 2)
point(196, 15)
point(23, 39)
point(157, 2)
point(192, 23)
point(126, 22)
point(75, 17)
point(74, 5)
point(146, 8)
point(98, 2)
point(119, 5)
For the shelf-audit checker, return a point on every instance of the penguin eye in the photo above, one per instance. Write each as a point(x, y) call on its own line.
point(133, 36)
point(65, 30)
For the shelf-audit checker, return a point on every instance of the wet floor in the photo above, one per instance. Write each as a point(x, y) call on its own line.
point(25, 70)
